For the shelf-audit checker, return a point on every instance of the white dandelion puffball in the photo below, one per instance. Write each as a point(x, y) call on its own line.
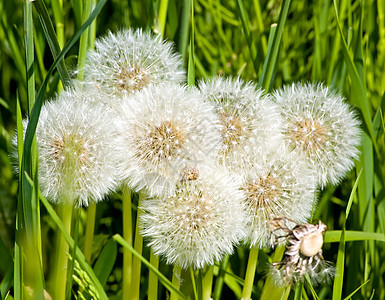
point(129, 60)
point(77, 146)
point(281, 186)
point(165, 128)
point(199, 223)
point(320, 125)
point(251, 122)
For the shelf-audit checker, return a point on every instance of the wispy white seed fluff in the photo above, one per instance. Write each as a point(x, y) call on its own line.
point(164, 129)
point(320, 125)
point(197, 224)
point(77, 146)
point(251, 122)
point(279, 185)
point(129, 60)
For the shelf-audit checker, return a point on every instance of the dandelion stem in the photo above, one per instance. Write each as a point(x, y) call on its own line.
point(136, 263)
point(250, 273)
point(65, 211)
point(176, 275)
point(127, 235)
point(83, 40)
point(153, 279)
point(270, 290)
point(90, 227)
point(207, 283)
point(220, 278)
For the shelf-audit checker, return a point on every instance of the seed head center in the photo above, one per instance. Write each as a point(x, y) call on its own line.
point(189, 174)
point(233, 129)
point(309, 134)
point(263, 191)
point(163, 142)
point(70, 150)
point(194, 211)
point(132, 78)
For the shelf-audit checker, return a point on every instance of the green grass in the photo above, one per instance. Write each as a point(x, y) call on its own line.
point(341, 43)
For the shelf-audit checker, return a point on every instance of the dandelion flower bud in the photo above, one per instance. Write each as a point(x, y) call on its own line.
point(129, 60)
point(197, 224)
point(320, 125)
point(250, 121)
point(281, 185)
point(303, 254)
point(76, 144)
point(165, 128)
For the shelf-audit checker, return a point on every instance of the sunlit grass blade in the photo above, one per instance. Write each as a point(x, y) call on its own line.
point(340, 265)
point(163, 279)
point(333, 236)
point(266, 78)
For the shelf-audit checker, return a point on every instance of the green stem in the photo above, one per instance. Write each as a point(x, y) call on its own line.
point(220, 278)
point(127, 235)
point(153, 279)
point(250, 273)
point(90, 228)
point(270, 289)
point(62, 259)
point(207, 283)
point(176, 274)
point(136, 262)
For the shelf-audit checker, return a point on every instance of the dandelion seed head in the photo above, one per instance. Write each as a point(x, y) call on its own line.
point(321, 126)
point(128, 60)
point(197, 224)
point(166, 128)
point(76, 144)
point(250, 121)
point(281, 184)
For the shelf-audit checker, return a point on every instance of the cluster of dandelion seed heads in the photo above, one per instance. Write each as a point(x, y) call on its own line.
point(320, 125)
point(163, 134)
point(129, 60)
point(246, 117)
point(197, 224)
point(77, 158)
point(281, 186)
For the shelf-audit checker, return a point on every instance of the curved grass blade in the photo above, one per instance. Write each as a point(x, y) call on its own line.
point(52, 40)
point(78, 253)
point(163, 279)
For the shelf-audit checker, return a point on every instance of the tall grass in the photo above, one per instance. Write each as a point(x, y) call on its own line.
point(341, 43)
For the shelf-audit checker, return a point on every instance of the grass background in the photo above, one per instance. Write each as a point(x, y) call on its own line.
point(341, 43)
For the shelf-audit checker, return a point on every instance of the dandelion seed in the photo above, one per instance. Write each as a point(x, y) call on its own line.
point(164, 129)
point(281, 184)
point(250, 121)
point(320, 125)
point(129, 60)
point(303, 254)
point(197, 224)
point(77, 150)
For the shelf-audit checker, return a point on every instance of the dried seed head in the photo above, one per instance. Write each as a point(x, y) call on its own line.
point(303, 254)
point(312, 242)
